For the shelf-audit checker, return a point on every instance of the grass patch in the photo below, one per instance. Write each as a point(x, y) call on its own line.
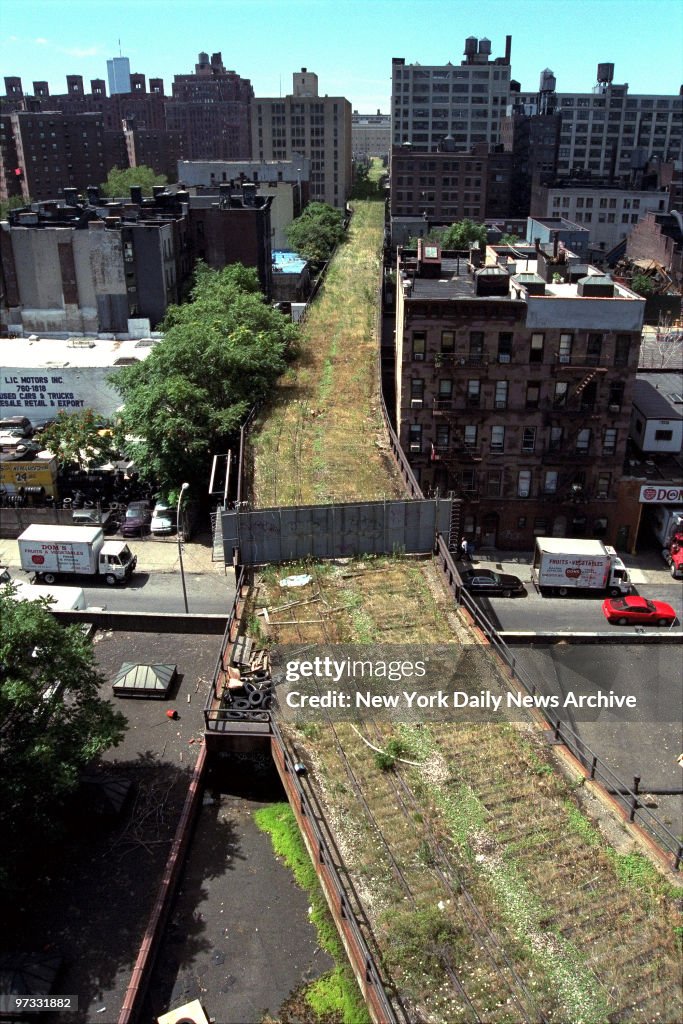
point(335, 992)
point(422, 939)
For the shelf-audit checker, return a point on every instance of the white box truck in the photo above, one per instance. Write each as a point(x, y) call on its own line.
point(564, 564)
point(53, 551)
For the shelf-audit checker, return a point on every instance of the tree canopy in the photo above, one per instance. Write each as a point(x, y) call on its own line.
point(119, 181)
point(316, 233)
point(220, 354)
point(47, 734)
point(460, 235)
point(78, 439)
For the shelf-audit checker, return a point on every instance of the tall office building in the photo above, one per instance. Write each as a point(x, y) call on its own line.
point(607, 132)
point(118, 73)
point(466, 101)
point(317, 127)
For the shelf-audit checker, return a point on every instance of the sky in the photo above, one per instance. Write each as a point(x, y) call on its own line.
point(349, 44)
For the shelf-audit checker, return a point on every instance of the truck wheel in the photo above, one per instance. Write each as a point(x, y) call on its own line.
point(563, 591)
point(614, 592)
point(49, 577)
point(110, 579)
point(674, 571)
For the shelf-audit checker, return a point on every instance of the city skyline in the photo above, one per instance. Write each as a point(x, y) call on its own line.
point(571, 42)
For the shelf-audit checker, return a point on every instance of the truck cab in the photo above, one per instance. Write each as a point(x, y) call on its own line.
point(117, 561)
point(673, 555)
point(619, 580)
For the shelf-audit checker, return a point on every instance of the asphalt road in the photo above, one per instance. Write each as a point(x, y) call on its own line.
point(578, 614)
point(163, 592)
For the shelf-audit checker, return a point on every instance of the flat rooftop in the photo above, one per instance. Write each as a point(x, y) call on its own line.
point(55, 353)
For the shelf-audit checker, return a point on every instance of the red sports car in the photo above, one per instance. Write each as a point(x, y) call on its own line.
point(638, 611)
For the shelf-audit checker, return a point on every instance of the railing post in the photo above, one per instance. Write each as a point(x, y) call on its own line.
point(558, 726)
point(635, 803)
point(594, 765)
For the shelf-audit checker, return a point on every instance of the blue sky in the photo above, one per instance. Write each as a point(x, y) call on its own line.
point(348, 43)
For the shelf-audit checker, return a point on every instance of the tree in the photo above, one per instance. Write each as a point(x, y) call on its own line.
point(118, 182)
point(221, 353)
point(508, 239)
point(642, 284)
point(463, 234)
point(47, 734)
point(317, 232)
point(13, 203)
point(79, 439)
point(365, 184)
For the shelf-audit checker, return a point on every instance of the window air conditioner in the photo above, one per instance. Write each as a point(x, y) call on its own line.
point(415, 447)
point(614, 408)
point(564, 359)
point(415, 403)
point(523, 494)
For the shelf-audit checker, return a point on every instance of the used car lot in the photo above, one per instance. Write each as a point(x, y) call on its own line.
point(638, 611)
point(137, 519)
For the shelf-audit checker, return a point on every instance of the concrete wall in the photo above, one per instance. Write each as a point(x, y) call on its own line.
point(41, 393)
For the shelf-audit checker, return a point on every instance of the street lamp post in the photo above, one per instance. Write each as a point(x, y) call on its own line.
point(180, 547)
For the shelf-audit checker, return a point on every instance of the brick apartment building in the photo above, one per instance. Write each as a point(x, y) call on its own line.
point(514, 382)
point(212, 110)
point(448, 185)
point(109, 266)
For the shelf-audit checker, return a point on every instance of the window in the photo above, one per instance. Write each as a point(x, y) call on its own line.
point(583, 441)
point(415, 437)
point(536, 350)
point(616, 395)
point(528, 439)
point(524, 483)
point(504, 348)
point(565, 351)
point(663, 435)
point(533, 395)
point(560, 394)
point(470, 436)
point(494, 480)
point(448, 341)
point(600, 527)
point(443, 436)
point(609, 441)
point(593, 349)
point(556, 438)
point(476, 345)
point(497, 439)
point(419, 345)
point(473, 392)
point(622, 348)
point(501, 398)
point(417, 389)
point(550, 481)
point(602, 486)
point(540, 526)
point(445, 389)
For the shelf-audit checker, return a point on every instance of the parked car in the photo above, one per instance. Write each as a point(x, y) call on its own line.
point(164, 519)
point(136, 520)
point(673, 556)
point(486, 581)
point(636, 610)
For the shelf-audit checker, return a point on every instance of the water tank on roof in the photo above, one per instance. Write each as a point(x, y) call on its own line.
point(485, 46)
point(203, 58)
point(471, 44)
point(605, 73)
point(548, 81)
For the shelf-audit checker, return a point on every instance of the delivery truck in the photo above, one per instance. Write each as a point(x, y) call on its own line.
point(54, 551)
point(667, 521)
point(564, 565)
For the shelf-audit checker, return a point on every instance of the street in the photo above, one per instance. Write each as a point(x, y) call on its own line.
point(163, 592)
